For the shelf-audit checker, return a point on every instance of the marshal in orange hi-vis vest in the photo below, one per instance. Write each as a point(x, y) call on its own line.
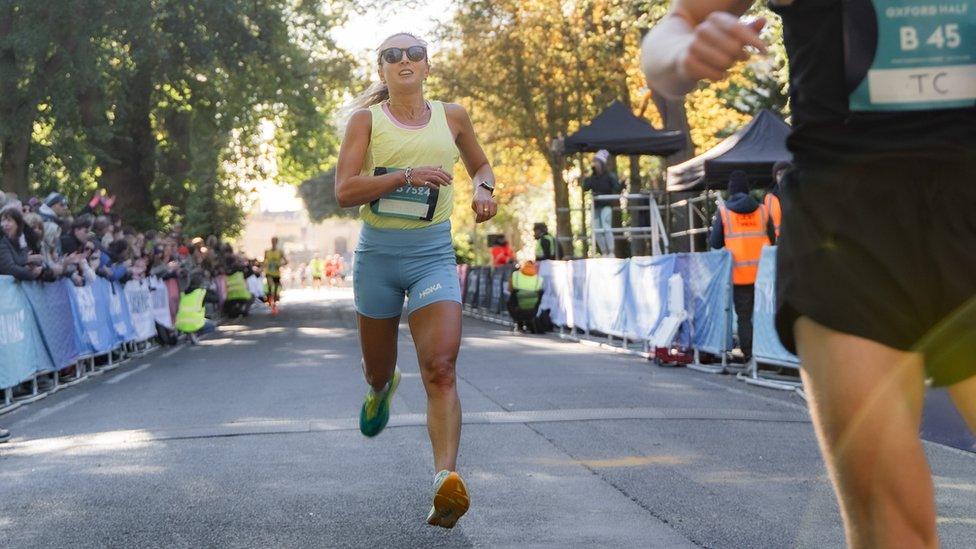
point(771, 201)
point(745, 236)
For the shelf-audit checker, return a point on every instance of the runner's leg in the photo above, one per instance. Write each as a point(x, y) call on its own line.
point(866, 403)
point(378, 339)
point(436, 331)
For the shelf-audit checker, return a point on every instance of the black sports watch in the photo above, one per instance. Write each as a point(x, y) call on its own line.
point(488, 185)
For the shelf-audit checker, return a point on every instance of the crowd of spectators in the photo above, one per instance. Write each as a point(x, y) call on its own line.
point(45, 240)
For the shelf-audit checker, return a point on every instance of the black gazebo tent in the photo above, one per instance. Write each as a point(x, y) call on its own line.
point(753, 149)
point(619, 131)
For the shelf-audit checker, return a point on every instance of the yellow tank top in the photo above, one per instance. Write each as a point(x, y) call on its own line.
point(272, 262)
point(392, 145)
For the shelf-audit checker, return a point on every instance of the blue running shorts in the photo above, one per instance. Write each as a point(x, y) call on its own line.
point(392, 263)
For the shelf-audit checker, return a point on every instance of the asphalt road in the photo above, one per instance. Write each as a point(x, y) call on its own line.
point(250, 439)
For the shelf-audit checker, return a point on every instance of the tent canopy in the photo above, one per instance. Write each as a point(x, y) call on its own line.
point(754, 149)
point(619, 131)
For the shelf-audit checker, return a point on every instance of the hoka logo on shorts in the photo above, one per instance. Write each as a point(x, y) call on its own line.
point(427, 291)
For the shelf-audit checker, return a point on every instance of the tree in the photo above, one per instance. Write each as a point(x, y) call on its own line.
point(144, 98)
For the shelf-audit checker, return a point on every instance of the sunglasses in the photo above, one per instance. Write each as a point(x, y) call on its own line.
point(394, 55)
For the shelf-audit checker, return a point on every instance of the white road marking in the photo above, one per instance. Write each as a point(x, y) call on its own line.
point(43, 413)
point(133, 371)
point(172, 351)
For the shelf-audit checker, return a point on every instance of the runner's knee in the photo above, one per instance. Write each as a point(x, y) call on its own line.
point(439, 375)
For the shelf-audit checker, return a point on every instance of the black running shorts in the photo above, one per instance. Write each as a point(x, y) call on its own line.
point(884, 250)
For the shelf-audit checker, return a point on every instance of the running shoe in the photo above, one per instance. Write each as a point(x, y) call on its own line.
point(450, 500)
point(376, 408)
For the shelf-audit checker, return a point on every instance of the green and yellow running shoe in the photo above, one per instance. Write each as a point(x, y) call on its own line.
point(376, 407)
point(450, 500)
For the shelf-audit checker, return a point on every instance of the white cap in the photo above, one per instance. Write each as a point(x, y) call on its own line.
point(602, 155)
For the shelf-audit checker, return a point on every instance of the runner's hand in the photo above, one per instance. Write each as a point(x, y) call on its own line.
point(430, 176)
point(717, 43)
point(484, 205)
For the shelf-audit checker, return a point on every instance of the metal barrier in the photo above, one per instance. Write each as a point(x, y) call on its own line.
point(706, 324)
point(23, 348)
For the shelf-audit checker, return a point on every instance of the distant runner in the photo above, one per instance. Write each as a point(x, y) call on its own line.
point(274, 260)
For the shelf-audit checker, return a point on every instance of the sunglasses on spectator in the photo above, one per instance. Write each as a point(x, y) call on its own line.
point(394, 55)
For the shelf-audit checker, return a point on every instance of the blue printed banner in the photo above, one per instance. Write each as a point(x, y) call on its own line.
point(708, 299)
point(557, 293)
point(606, 287)
point(647, 294)
point(159, 295)
point(92, 317)
point(139, 301)
point(119, 311)
point(20, 342)
point(766, 345)
point(51, 306)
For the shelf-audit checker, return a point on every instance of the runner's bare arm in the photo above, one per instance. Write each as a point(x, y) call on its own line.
point(352, 189)
point(697, 39)
point(475, 161)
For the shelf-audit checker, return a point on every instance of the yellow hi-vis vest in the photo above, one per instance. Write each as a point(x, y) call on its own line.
point(528, 290)
point(237, 288)
point(190, 316)
point(540, 253)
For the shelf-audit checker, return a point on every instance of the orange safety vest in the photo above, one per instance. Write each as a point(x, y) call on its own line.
point(771, 201)
point(745, 236)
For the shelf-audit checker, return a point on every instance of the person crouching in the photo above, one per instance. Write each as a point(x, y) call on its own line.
point(525, 287)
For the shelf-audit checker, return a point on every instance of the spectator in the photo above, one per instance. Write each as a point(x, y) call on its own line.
point(525, 293)
point(54, 208)
point(771, 200)
point(77, 237)
point(546, 246)
point(501, 252)
point(15, 258)
point(602, 181)
point(191, 317)
point(743, 226)
point(102, 229)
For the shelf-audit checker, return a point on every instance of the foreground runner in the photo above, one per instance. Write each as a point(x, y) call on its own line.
point(876, 260)
point(396, 161)
point(274, 260)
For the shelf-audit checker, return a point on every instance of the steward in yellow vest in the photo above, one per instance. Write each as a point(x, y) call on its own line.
point(526, 293)
point(190, 317)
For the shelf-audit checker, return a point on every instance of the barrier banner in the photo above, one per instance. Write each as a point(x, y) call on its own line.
point(605, 295)
point(51, 305)
point(159, 297)
point(578, 313)
point(557, 293)
point(471, 290)
point(765, 340)
point(140, 305)
point(111, 297)
point(484, 288)
point(19, 338)
point(646, 300)
point(708, 299)
point(497, 282)
point(92, 318)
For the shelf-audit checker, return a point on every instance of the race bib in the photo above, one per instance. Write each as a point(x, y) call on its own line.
point(910, 55)
point(408, 202)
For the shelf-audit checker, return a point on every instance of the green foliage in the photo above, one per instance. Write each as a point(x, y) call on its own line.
point(319, 195)
point(145, 98)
